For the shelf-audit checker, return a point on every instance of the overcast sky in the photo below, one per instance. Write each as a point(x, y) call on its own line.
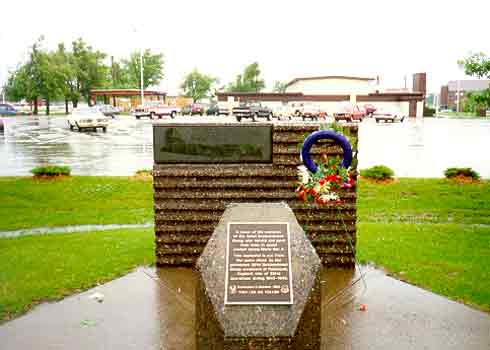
point(288, 38)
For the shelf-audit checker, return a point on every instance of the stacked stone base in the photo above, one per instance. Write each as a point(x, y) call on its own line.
point(190, 199)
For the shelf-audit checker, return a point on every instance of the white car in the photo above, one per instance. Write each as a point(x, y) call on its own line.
point(87, 118)
point(155, 109)
point(283, 112)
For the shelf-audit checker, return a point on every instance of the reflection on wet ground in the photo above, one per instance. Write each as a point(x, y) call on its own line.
point(415, 148)
point(155, 309)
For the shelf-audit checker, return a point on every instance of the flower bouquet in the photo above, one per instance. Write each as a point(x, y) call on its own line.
point(323, 186)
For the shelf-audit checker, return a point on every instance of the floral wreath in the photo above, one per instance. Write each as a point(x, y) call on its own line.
point(322, 183)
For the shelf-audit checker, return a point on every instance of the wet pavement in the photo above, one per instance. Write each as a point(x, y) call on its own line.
point(415, 148)
point(70, 229)
point(155, 309)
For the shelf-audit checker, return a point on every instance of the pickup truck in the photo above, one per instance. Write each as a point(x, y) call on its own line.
point(350, 112)
point(387, 116)
point(251, 110)
point(155, 110)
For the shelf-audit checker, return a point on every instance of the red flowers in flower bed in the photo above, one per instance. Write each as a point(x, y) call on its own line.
point(323, 186)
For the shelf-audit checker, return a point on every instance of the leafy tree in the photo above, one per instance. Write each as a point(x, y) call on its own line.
point(119, 77)
point(279, 87)
point(152, 69)
point(69, 88)
point(249, 81)
point(90, 71)
point(477, 64)
point(38, 77)
point(197, 85)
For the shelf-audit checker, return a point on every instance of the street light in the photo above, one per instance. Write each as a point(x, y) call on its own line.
point(141, 78)
point(141, 71)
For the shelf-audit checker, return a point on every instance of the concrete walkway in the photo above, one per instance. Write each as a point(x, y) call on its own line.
point(70, 229)
point(154, 309)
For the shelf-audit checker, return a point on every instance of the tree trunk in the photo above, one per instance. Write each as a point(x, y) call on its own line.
point(75, 103)
point(35, 106)
point(47, 106)
point(66, 106)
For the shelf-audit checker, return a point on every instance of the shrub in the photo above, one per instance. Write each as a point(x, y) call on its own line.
point(461, 172)
point(51, 170)
point(144, 172)
point(429, 112)
point(378, 172)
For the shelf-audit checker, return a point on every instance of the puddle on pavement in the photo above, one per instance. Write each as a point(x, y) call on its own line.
point(154, 308)
point(414, 148)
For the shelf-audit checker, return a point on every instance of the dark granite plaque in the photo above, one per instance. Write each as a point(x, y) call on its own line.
point(258, 263)
point(212, 144)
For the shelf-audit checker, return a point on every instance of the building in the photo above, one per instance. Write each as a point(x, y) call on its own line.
point(329, 91)
point(449, 93)
point(125, 98)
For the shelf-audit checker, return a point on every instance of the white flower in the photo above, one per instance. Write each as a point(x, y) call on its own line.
point(303, 174)
point(330, 196)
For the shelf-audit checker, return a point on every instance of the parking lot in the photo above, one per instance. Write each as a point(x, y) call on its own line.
point(414, 148)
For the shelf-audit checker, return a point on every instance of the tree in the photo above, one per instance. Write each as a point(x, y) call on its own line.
point(478, 65)
point(119, 77)
point(152, 69)
point(197, 85)
point(68, 84)
point(249, 81)
point(279, 87)
point(38, 77)
point(90, 71)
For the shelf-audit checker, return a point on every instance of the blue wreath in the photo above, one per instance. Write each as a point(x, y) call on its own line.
point(339, 139)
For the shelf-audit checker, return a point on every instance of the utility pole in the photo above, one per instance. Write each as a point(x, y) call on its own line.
point(457, 96)
point(141, 77)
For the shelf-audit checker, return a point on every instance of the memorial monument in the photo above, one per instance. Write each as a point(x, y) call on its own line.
point(200, 168)
point(259, 282)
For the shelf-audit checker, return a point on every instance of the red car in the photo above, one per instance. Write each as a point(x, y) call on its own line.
point(370, 109)
point(193, 109)
point(350, 112)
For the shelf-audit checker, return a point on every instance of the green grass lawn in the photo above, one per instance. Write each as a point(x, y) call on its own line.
point(48, 267)
point(430, 232)
point(463, 115)
point(28, 203)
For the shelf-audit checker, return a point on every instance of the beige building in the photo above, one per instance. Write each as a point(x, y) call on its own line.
point(329, 91)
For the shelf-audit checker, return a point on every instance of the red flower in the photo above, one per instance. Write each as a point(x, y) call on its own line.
point(321, 182)
point(312, 191)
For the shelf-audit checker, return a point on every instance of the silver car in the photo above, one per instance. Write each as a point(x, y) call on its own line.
point(87, 118)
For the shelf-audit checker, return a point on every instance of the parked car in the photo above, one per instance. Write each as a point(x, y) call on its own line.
point(145, 110)
point(349, 112)
point(7, 109)
point(370, 109)
point(311, 111)
point(252, 110)
point(282, 112)
point(87, 118)
point(193, 109)
point(161, 111)
point(110, 110)
point(153, 110)
point(388, 116)
point(217, 110)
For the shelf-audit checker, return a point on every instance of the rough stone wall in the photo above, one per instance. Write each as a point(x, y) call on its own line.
point(190, 199)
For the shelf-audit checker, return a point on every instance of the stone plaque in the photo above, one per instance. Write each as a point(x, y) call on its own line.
point(258, 263)
point(212, 144)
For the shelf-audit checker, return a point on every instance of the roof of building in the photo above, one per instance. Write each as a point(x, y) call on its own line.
point(124, 92)
point(330, 77)
point(469, 85)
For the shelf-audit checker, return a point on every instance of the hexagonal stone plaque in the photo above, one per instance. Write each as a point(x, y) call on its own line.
point(258, 326)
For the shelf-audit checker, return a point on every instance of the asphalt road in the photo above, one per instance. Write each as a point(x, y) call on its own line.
point(414, 148)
